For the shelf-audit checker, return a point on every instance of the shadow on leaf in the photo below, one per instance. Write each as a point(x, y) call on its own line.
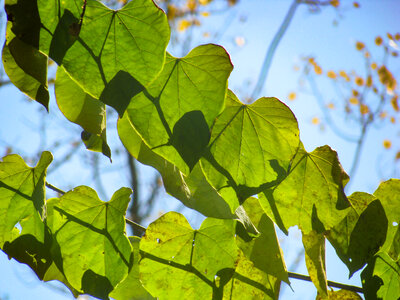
point(28, 250)
point(190, 137)
point(64, 37)
point(119, 91)
point(96, 285)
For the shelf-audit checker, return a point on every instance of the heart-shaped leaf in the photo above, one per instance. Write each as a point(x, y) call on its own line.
point(184, 100)
point(312, 195)
point(95, 251)
point(251, 145)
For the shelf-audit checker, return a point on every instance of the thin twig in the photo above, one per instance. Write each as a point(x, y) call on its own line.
point(330, 283)
point(56, 189)
point(272, 47)
point(136, 226)
point(150, 200)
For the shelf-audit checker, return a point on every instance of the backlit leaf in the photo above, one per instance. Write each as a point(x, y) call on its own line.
point(179, 262)
point(53, 273)
point(381, 278)
point(251, 145)
point(249, 282)
point(263, 251)
point(193, 190)
point(90, 233)
point(174, 114)
point(26, 67)
point(361, 233)
point(314, 246)
point(312, 195)
point(22, 192)
point(131, 287)
point(343, 295)
point(82, 109)
point(389, 194)
point(112, 54)
point(118, 44)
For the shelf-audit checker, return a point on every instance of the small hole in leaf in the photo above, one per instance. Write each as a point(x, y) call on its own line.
point(395, 223)
point(350, 260)
point(19, 227)
point(158, 241)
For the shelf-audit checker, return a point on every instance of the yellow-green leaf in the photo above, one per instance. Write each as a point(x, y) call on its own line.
point(90, 234)
point(314, 246)
point(251, 146)
point(312, 195)
point(179, 262)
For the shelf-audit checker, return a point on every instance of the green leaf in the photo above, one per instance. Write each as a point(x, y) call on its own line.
point(179, 262)
point(381, 278)
point(249, 282)
point(251, 145)
point(131, 287)
point(31, 246)
point(116, 51)
point(22, 193)
point(26, 67)
point(90, 235)
point(312, 195)
point(361, 233)
point(343, 295)
point(78, 106)
point(193, 190)
point(59, 26)
point(173, 115)
point(84, 110)
point(264, 250)
point(314, 246)
point(53, 273)
point(389, 195)
point(24, 16)
point(96, 143)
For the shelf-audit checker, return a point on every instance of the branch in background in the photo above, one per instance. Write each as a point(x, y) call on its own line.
point(271, 49)
point(155, 188)
point(4, 82)
point(97, 176)
point(56, 164)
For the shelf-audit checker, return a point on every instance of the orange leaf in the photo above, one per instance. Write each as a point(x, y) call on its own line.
point(387, 144)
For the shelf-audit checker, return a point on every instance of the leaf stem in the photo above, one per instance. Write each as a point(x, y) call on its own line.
point(330, 283)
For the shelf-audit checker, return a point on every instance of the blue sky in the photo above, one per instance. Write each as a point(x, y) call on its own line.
point(309, 34)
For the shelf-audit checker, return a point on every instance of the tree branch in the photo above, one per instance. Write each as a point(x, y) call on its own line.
point(272, 47)
point(330, 283)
